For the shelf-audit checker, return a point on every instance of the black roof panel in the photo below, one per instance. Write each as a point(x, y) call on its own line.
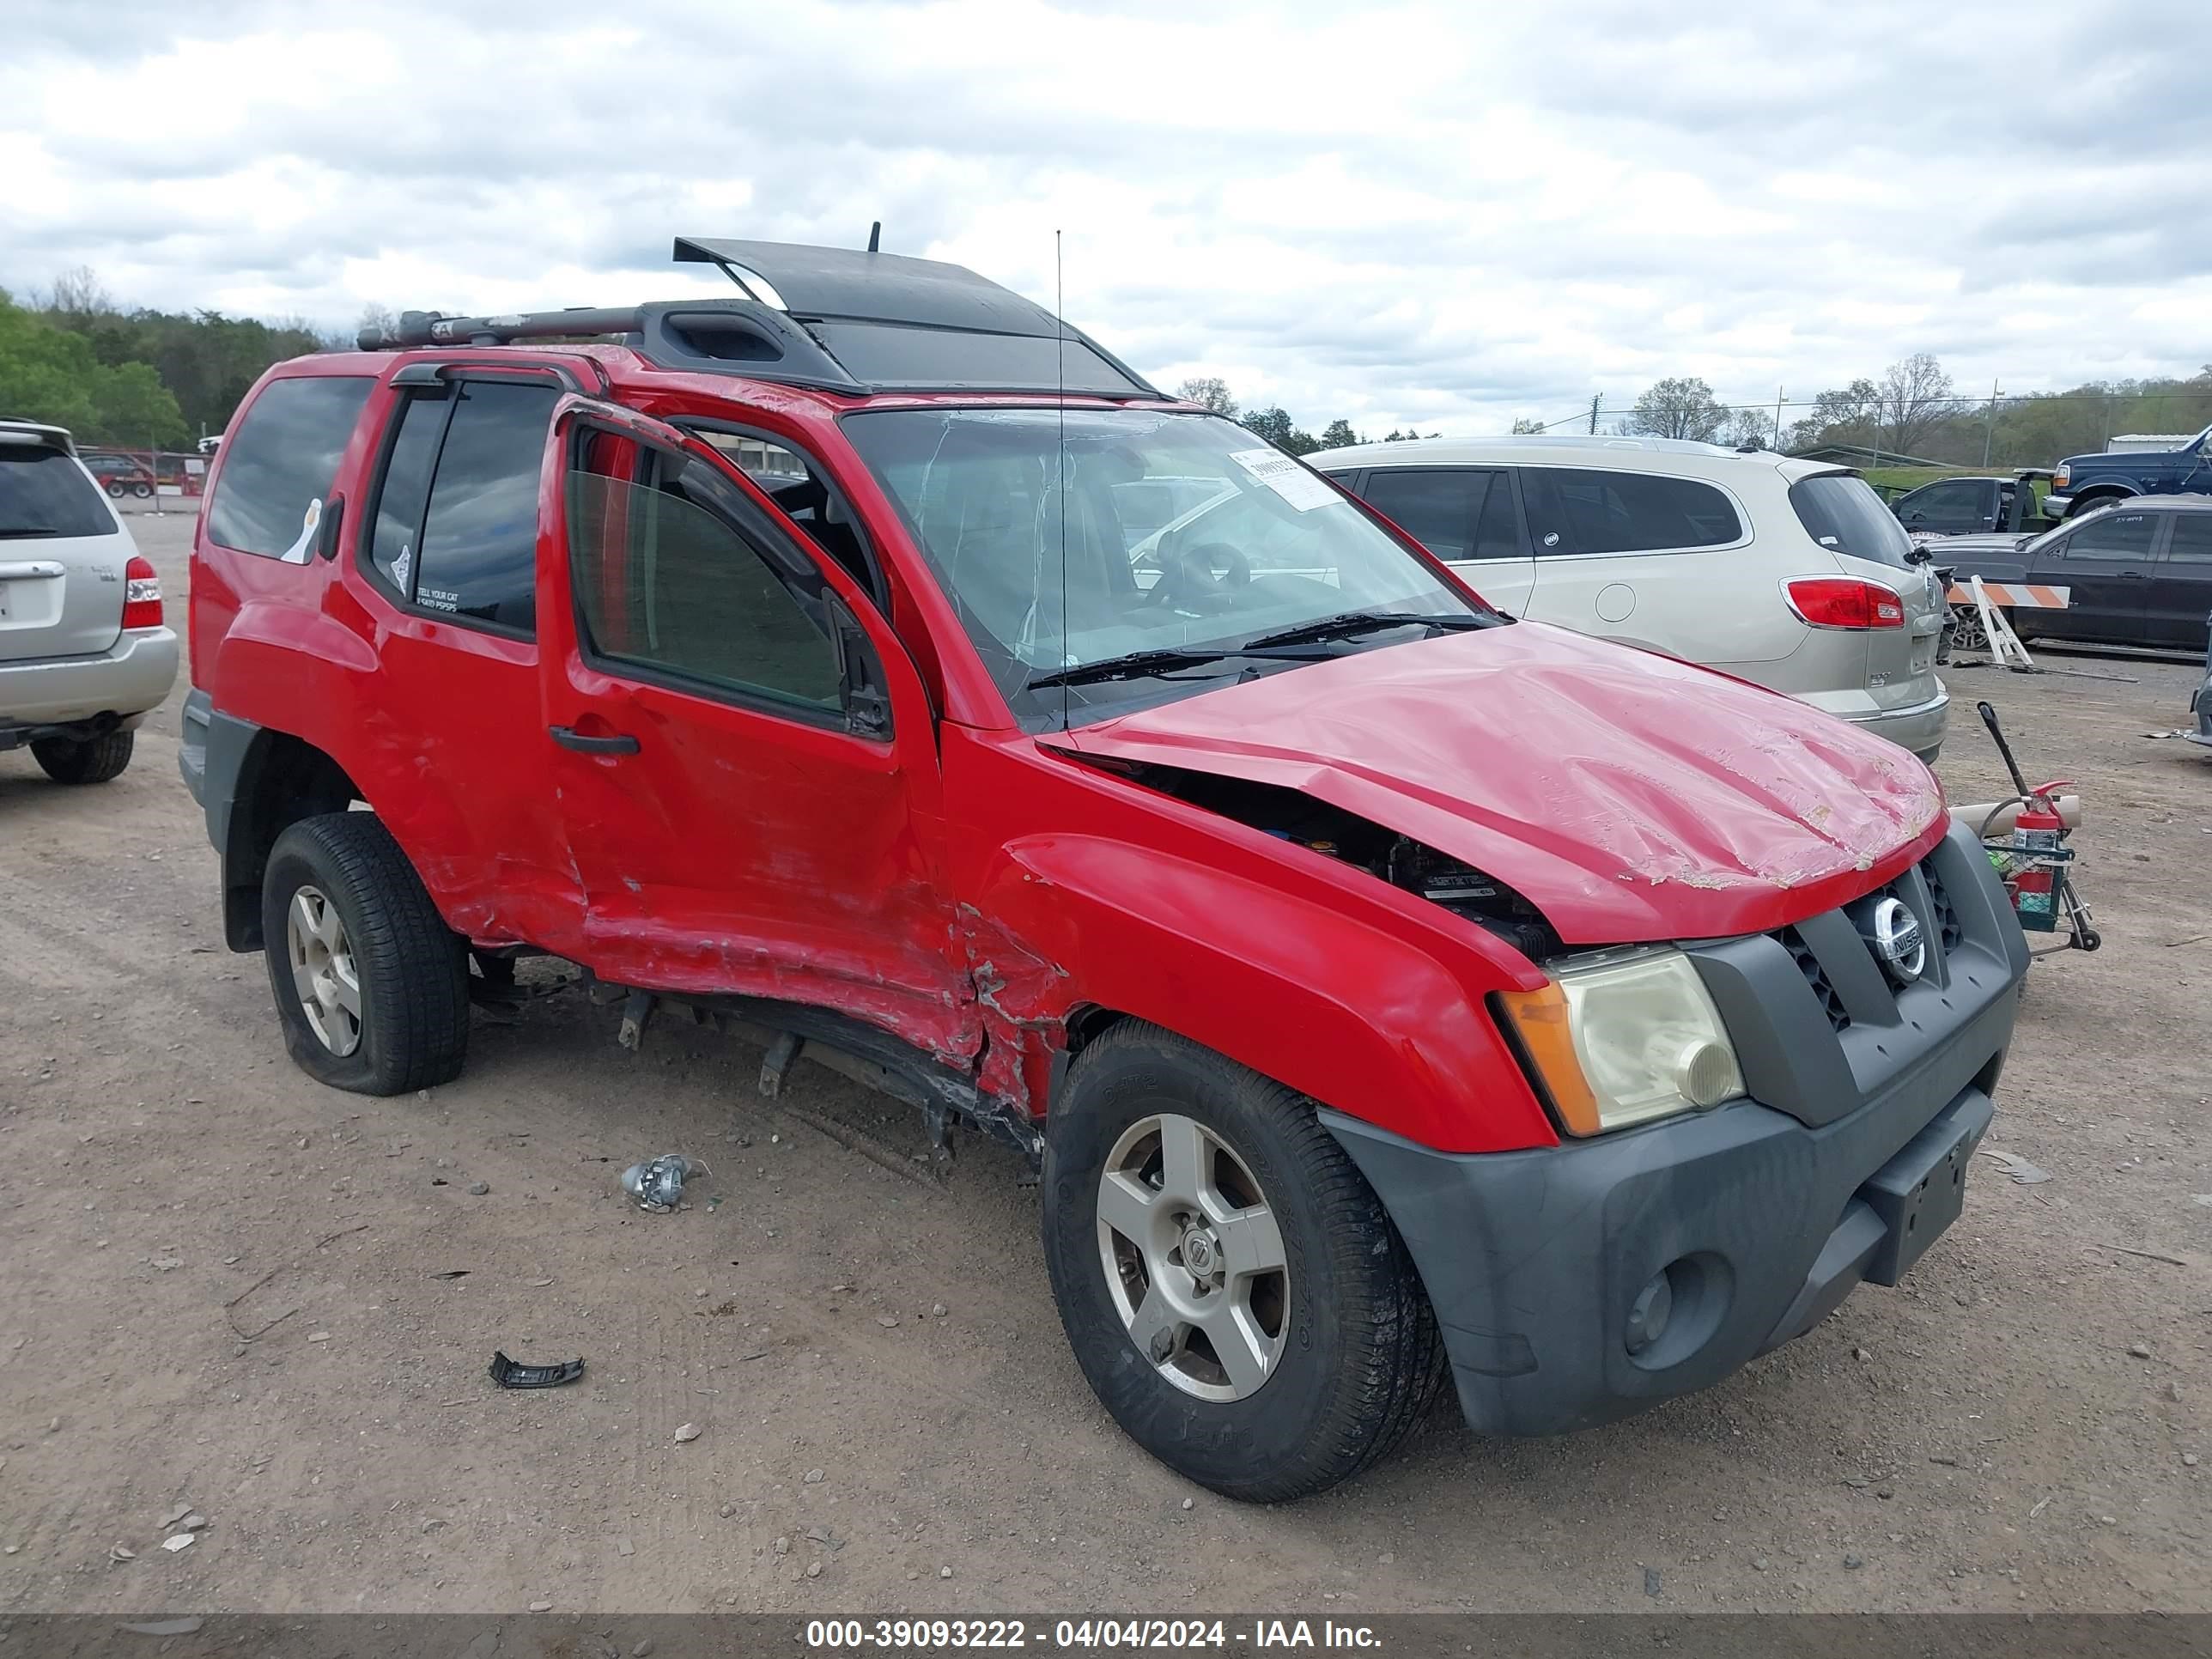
point(815, 283)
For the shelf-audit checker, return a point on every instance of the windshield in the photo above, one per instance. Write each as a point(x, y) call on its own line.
point(1179, 535)
point(43, 493)
point(1840, 511)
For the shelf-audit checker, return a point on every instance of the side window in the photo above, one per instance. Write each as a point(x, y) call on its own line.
point(803, 493)
point(1437, 506)
point(1945, 506)
point(666, 581)
point(279, 461)
point(2191, 539)
point(1574, 510)
point(456, 525)
point(2111, 538)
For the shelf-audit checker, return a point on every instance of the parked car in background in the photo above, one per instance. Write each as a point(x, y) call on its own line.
point(1965, 506)
point(120, 475)
point(2080, 483)
point(1790, 574)
point(84, 651)
point(2137, 574)
point(1384, 988)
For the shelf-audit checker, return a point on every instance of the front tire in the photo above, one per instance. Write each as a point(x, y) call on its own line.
point(370, 984)
point(89, 760)
point(1233, 1290)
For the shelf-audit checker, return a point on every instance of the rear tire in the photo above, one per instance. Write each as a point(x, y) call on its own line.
point(115, 489)
point(370, 984)
point(144, 492)
point(1348, 1357)
point(89, 760)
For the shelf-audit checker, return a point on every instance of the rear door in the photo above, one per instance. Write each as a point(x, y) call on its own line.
point(2106, 562)
point(62, 553)
point(2181, 583)
point(1654, 560)
point(1467, 517)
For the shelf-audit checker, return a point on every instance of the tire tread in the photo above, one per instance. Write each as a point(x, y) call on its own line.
point(94, 760)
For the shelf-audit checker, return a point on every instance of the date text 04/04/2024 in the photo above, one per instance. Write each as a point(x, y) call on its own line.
point(1083, 1635)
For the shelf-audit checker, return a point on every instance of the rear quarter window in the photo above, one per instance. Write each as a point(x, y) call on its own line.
point(279, 462)
point(1840, 511)
point(43, 493)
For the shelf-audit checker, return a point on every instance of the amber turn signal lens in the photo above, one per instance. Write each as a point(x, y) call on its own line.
point(1542, 1021)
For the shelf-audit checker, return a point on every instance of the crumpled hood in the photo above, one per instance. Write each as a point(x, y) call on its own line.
point(1628, 796)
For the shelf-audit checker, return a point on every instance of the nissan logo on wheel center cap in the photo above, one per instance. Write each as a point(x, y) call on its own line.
point(1894, 936)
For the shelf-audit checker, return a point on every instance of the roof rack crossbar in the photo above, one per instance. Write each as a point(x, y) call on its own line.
point(433, 328)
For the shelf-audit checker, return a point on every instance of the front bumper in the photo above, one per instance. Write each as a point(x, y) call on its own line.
point(2056, 507)
point(127, 680)
point(1762, 1215)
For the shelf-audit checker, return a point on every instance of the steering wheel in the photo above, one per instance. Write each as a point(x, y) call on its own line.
point(1209, 571)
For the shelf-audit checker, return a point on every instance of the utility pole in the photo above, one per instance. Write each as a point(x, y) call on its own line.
point(1594, 402)
point(1990, 426)
point(1778, 420)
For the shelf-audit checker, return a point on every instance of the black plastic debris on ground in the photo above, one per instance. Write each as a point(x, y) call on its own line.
point(510, 1374)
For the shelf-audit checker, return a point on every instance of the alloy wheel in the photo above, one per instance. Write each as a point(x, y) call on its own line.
point(323, 971)
point(1194, 1258)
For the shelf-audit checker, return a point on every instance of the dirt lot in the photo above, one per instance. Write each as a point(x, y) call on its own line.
point(873, 1360)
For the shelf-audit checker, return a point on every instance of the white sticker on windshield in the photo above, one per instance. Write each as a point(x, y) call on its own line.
point(1300, 488)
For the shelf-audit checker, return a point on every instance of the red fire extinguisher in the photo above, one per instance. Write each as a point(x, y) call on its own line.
point(2037, 833)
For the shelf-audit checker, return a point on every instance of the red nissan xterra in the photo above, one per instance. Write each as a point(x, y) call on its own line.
point(1384, 985)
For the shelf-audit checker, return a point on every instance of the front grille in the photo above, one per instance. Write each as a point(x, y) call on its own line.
point(1816, 976)
point(1946, 918)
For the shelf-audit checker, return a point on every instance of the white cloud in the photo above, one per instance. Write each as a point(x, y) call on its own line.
point(1436, 212)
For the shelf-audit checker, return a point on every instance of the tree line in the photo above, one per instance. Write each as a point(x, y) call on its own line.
point(1275, 425)
point(130, 375)
point(1913, 409)
point(142, 377)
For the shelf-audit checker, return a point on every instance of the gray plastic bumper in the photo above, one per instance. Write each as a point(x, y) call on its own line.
point(1760, 1217)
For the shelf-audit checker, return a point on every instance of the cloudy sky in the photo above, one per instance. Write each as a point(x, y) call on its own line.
point(1449, 214)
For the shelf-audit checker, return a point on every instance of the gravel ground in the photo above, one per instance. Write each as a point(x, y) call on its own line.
point(228, 1288)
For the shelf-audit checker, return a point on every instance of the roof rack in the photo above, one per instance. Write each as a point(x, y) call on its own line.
point(833, 318)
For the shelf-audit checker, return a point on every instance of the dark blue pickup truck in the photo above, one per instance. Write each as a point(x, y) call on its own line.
point(2083, 482)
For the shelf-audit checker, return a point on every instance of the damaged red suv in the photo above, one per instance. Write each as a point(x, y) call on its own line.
point(1387, 988)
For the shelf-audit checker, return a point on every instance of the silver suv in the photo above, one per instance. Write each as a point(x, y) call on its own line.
point(1789, 574)
point(84, 654)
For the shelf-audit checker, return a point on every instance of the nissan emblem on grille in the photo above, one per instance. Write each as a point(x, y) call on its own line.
point(1893, 935)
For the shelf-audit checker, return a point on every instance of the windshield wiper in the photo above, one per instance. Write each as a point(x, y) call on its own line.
point(1132, 664)
point(1349, 623)
point(26, 530)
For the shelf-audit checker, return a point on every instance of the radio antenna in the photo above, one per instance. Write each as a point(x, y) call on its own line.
point(1060, 403)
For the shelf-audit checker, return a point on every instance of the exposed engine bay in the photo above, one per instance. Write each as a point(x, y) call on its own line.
point(1382, 853)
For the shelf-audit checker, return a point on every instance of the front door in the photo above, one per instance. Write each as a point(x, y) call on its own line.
point(2104, 562)
point(2181, 583)
point(743, 755)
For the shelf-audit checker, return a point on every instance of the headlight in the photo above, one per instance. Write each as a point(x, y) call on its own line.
point(1624, 1039)
point(2059, 479)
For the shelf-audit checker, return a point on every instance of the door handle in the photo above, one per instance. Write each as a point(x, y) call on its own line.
point(2131, 575)
point(620, 743)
